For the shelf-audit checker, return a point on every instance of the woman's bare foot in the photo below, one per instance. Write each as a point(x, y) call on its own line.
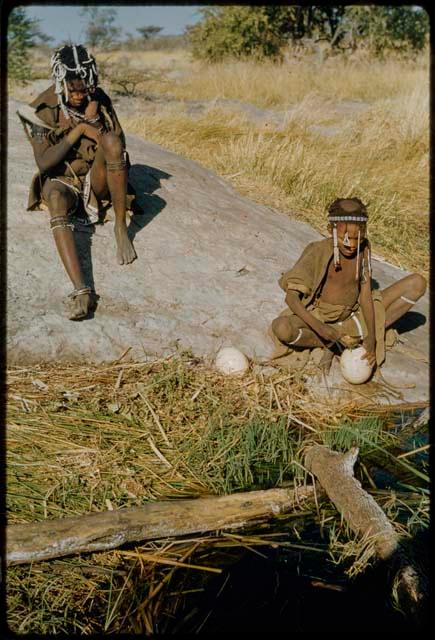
point(81, 305)
point(125, 253)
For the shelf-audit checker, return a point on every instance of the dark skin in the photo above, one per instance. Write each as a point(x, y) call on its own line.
point(105, 184)
point(341, 287)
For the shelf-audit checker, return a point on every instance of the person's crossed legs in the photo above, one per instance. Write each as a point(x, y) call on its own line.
point(398, 299)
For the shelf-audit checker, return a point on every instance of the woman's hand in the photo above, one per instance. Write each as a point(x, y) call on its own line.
point(90, 132)
point(326, 332)
point(369, 345)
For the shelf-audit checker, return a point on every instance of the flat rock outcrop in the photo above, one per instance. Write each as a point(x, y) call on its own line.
point(206, 274)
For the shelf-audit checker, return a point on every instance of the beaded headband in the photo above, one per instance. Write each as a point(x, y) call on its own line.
point(347, 218)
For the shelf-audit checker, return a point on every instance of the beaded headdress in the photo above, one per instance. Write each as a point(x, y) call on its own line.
point(354, 211)
point(71, 62)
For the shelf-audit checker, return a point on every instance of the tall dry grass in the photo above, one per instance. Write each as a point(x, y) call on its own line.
point(268, 84)
point(379, 154)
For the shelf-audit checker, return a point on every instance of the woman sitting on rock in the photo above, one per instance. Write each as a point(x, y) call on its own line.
point(79, 148)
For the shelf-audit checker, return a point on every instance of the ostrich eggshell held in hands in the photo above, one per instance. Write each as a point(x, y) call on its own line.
point(231, 361)
point(354, 369)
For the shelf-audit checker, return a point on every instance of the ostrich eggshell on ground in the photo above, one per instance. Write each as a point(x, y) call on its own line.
point(354, 369)
point(231, 361)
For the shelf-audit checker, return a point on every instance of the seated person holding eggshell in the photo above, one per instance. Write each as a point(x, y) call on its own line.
point(329, 295)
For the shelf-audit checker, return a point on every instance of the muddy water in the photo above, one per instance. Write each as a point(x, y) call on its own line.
point(282, 590)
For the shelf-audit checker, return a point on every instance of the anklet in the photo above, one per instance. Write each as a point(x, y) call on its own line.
point(80, 292)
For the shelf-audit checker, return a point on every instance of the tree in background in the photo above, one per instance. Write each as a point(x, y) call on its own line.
point(241, 31)
point(263, 31)
point(383, 29)
point(23, 34)
point(100, 29)
point(149, 32)
point(316, 23)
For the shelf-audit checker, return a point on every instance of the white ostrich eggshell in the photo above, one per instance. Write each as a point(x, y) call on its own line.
point(354, 369)
point(231, 361)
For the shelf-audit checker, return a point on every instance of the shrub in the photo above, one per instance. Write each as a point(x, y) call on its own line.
point(262, 31)
point(22, 34)
point(241, 31)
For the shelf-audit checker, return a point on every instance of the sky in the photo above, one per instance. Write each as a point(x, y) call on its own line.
point(64, 22)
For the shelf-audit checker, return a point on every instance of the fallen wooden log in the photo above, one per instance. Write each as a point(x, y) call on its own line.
point(38, 541)
point(334, 471)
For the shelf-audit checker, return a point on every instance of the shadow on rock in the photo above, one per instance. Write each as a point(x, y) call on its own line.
point(146, 180)
point(83, 238)
point(410, 321)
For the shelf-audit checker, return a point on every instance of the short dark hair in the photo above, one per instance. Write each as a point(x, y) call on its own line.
point(347, 209)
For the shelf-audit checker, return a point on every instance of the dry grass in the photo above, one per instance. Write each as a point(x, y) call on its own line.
point(376, 146)
point(380, 155)
point(179, 58)
point(267, 84)
point(270, 85)
point(91, 438)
